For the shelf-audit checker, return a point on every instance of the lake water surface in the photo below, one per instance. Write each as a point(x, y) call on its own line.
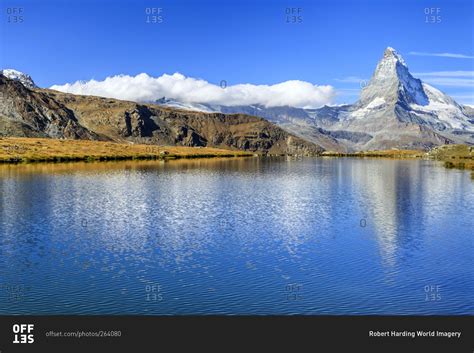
point(237, 236)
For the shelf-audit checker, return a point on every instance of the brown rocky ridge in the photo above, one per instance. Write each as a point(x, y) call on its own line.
point(46, 113)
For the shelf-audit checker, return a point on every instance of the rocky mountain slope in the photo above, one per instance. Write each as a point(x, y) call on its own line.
point(34, 112)
point(294, 120)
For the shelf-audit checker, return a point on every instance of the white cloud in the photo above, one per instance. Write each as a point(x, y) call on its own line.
point(446, 74)
point(443, 55)
point(191, 90)
point(451, 82)
point(466, 99)
point(469, 97)
point(448, 78)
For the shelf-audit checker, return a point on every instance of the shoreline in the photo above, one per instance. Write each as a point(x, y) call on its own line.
point(94, 159)
point(25, 150)
point(28, 150)
point(453, 156)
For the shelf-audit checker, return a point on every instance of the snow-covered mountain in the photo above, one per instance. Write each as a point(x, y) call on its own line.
point(21, 77)
point(392, 86)
point(392, 82)
point(395, 110)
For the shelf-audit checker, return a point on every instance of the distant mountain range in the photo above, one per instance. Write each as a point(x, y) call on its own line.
point(395, 110)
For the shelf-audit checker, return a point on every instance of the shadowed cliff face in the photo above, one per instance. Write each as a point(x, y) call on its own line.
point(33, 113)
point(47, 113)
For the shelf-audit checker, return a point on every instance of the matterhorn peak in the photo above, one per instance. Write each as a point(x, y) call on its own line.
point(392, 54)
point(19, 76)
point(393, 82)
point(392, 64)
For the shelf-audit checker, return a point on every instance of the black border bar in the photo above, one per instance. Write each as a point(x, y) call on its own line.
point(244, 333)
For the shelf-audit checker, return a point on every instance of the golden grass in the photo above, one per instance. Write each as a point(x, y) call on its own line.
point(97, 167)
point(23, 149)
point(19, 149)
point(454, 156)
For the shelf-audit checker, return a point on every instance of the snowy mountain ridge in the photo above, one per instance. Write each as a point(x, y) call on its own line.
point(395, 110)
point(19, 76)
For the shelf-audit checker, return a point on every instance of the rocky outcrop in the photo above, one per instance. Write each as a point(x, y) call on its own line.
point(32, 113)
point(157, 125)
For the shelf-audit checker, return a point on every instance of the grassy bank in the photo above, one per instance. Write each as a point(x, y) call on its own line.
point(378, 154)
point(24, 150)
point(454, 156)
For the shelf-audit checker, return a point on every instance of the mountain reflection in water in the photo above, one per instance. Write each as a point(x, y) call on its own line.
point(236, 236)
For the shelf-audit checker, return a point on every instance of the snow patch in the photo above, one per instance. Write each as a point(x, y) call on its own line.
point(377, 102)
point(444, 108)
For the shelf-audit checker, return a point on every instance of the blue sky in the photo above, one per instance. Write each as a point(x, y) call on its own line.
point(337, 43)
